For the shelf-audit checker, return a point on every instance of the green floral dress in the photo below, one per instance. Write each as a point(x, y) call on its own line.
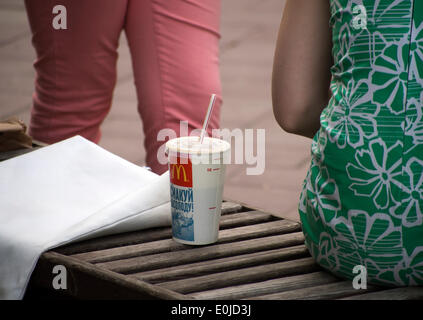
point(362, 200)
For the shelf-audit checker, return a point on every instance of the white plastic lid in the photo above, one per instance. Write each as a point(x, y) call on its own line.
point(192, 145)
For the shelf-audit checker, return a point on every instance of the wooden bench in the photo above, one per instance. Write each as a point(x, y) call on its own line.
point(258, 256)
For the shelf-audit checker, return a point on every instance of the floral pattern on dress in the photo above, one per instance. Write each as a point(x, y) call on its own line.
point(390, 77)
point(410, 270)
point(414, 122)
point(375, 173)
point(416, 54)
point(353, 118)
point(362, 198)
point(327, 253)
point(362, 238)
point(410, 209)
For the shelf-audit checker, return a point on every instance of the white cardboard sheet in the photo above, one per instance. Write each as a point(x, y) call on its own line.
point(69, 191)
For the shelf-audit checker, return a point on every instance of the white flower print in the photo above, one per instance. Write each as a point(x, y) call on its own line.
point(383, 275)
point(410, 270)
point(322, 194)
point(375, 40)
point(352, 117)
point(342, 61)
point(377, 12)
point(410, 209)
point(367, 240)
point(376, 23)
point(362, 199)
point(302, 205)
point(377, 9)
point(338, 7)
point(318, 145)
point(389, 77)
point(416, 53)
point(327, 253)
point(414, 121)
point(376, 172)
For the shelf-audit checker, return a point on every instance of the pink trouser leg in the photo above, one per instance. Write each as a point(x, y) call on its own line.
point(174, 48)
point(75, 68)
point(175, 52)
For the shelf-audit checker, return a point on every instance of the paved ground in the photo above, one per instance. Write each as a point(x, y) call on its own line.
point(248, 29)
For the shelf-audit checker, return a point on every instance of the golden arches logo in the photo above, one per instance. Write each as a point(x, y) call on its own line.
point(179, 168)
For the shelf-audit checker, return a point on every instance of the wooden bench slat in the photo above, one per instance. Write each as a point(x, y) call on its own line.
point(117, 240)
point(230, 207)
point(223, 264)
point(169, 259)
point(143, 236)
point(408, 293)
point(228, 235)
point(130, 251)
point(267, 287)
point(245, 275)
point(86, 281)
point(258, 231)
point(328, 291)
point(245, 218)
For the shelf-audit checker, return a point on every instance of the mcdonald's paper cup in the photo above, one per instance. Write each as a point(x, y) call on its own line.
point(197, 173)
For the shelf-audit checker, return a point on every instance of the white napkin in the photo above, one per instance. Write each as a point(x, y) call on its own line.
point(69, 191)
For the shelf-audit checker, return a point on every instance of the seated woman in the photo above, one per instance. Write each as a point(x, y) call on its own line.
point(349, 74)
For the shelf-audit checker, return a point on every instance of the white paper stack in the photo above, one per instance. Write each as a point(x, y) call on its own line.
point(69, 191)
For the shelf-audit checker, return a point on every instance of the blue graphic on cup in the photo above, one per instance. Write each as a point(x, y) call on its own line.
point(182, 226)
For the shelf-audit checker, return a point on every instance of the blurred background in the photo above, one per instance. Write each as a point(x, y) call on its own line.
point(248, 29)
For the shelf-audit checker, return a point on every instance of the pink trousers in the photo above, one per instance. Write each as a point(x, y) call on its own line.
point(175, 58)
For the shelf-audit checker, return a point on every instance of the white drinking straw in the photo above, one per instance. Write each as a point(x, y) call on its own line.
point(207, 118)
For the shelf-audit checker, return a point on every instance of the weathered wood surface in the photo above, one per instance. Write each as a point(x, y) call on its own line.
point(85, 281)
point(244, 275)
point(334, 290)
point(228, 235)
point(412, 293)
point(224, 264)
point(179, 257)
point(258, 256)
point(255, 289)
point(125, 239)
